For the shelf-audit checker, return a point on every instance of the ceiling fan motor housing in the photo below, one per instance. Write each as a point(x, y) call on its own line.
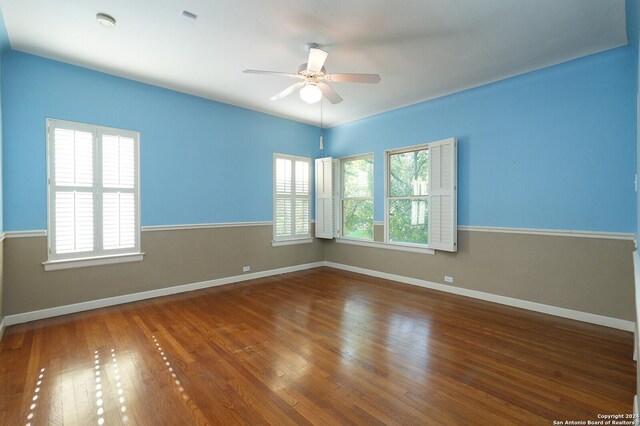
point(303, 71)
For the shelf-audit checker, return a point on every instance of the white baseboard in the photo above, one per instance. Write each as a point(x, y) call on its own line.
point(503, 300)
point(3, 325)
point(118, 300)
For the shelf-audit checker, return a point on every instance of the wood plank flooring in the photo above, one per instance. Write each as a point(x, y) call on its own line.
point(314, 347)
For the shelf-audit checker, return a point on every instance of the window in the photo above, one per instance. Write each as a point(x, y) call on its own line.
point(420, 191)
point(291, 198)
point(93, 192)
point(357, 197)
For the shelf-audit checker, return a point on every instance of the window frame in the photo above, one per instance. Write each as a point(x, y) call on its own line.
point(387, 187)
point(292, 239)
point(98, 255)
point(342, 197)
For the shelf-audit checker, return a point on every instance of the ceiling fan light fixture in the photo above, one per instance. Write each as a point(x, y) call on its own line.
point(106, 20)
point(310, 93)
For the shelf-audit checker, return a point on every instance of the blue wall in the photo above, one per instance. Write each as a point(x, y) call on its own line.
point(4, 45)
point(201, 161)
point(553, 148)
point(633, 36)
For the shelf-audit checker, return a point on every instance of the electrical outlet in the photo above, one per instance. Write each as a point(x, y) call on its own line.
point(448, 279)
point(246, 268)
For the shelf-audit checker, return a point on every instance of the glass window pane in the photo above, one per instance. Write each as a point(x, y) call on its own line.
point(408, 221)
point(358, 219)
point(409, 173)
point(358, 177)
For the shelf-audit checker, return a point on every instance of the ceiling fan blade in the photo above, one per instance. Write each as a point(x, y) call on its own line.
point(286, 74)
point(353, 78)
point(289, 90)
point(316, 59)
point(329, 93)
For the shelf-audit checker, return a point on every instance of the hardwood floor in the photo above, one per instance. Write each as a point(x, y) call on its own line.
point(314, 347)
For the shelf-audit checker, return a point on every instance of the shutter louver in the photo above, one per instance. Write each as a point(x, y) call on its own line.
point(442, 196)
point(302, 217)
point(324, 198)
point(283, 217)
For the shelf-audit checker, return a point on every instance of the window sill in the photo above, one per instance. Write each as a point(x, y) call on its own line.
point(275, 243)
point(386, 246)
point(55, 265)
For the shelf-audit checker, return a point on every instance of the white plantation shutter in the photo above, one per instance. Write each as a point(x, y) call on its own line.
point(93, 191)
point(442, 195)
point(291, 197)
point(337, 188)
point(118, 187)
point(74, 221)
point(118, 220)
point(324, 198)
point(73, 180)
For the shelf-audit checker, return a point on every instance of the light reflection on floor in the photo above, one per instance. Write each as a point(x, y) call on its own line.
point(99, 369)
point(405, 328)
point(167, 363)
point(34, 399)
point(120, 391)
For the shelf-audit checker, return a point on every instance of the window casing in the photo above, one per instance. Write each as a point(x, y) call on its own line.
point(291, 198)
point(93, 191)
point(356, 204)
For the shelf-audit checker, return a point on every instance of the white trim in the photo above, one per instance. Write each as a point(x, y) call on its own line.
point(386, 246)
point(503, 300)
point(55, 265)
point(279, 243)
point(551, 232)
point(3, 325)
point(636, 285)
point(203, 226)
point(496, 229)
point(26, 234)
point(378, 223)
point(2, 236)
point(117, 300)
point(635, 410)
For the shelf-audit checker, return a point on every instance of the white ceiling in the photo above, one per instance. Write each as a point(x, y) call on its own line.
point(422, 49)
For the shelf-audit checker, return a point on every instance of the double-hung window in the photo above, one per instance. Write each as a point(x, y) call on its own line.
point(420, 197)
point(93, 189)
point(357, 197)
point(291, 199)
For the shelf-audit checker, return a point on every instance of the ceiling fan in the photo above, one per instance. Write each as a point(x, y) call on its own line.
point(314, 77)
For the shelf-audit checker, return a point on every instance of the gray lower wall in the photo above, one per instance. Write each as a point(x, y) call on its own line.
point(1, 280)
point(586, 274)
point(591, 275)
point(172, 258)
